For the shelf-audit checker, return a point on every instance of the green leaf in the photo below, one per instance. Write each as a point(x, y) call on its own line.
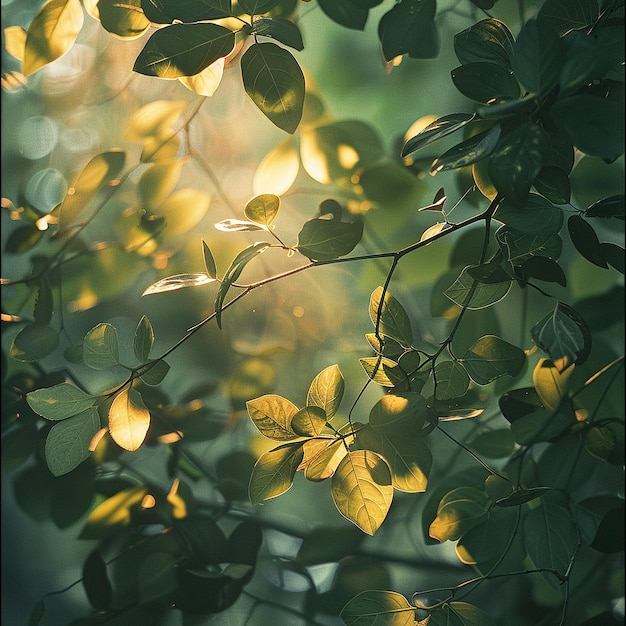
point(126, 20)
point(612, 206)
point(484, 82)
point(155, 372)
point(389, 317)
point(585, 240)
point(407, 455)
point(469, 151)
point(183, 49)
point(257, 7)
point(272, 415)
point(309, 421)
point(209, 261)
point(452, 380)
point(460, 614)
point(409, 28)
point(467, 292)
point(129, 420)
point(521, 496)
point(561, 336)
point(281, 29)
point(275, 83)
point(566, 15)
point(101, 347)
point(274, 471)
point(44, 306)
point(68, 441)
point(324, 240)
point(60, 401)
point(536, 216)
point(384, 371)
point(326, 544)
point(459, 510)
point(361, 489)
point(537, 57)
point(37, 613)
point(595, 125)
point(96, 581)
point(438, 129)
point(166, 11)
point(553, 183)
point(347, 13)
point(518, 246)
point(235, 226)
point(543, 268)
point(179, 281)
point(378, 608)
point(490, 358)
point(613, 255)
point(601, 523)
point(99, 172)
point(233, 272)
point(401, 412)
point(488, 40)
point(550, 538)
point(143, 339)
point(158, 181)
point(263, 209)
point(517, 160)
point(493, 444)
point(52, 33)
point(156, 576)
point(326, 390)
point(34, 342)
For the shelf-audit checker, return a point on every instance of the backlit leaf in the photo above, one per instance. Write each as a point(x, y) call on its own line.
point(101, 347)
point(469, 151)
point(458, 511)
point(490, 358)
point(274, 471)
point(536, 216)
point(257, 7)
point(566, 15)
point(484, 82)
point(278, 169)
point(158, 181)
point(362, 490)
point(389, 317)
point(126, 20)
point(324, 240)
point(466, 291)
point(184, 49)
point(378, 608)
point(279, 28)
point(438, 129)
point(397, 413)
point(154, 119)
point(452, 380)
point(384, 371)
point(275, 83)
point(321, 458)
point(518, 246)
point(15, 41)
point(235, 226)
point(206, 82)
point(460, 614)
point(60, 401)
point(263, 209)
point(179, 281)
point(551, 384)
point(35, 341)
point(67, 442)
point(129, 420)
point(209, 260)
point(309, 421)
point(52, 33)
point(272, 415)
point(488, 40)
point(184, 209)
point(326, 390)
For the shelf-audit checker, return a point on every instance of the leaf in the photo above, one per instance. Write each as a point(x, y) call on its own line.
point(234, 226)
point(279, 28)
point(15, 41)
point(484, 82)
point(99, 172)
point(564, 16)
point(493, 444)
point(361, 489)
point(378, 608)
point(398, 413)
point(101, 347)
point(59, 401)
point(407, 455)
point(233, 272)
point(613, 206)
point(488, 40)
point(154, 372)
point(158, 181)
point(551, 384)
point(67, 442)
point(206, 82)
point(585, 240)
point(156, 576)
point(518, 247)
point(348, 13)
point(452, 380)
point(143, 339)
point(438, 129)
point(467, 292)
point(263, 209)
point(96, 581)
point(154, 119)
point(601, 520)
point(325, 240)
point(209, 261)
point(321, 458)
point(409, 28)
point(613, 255)
point(183, 49)
point(550, 538)
point(537, 57)
point(536, 216)
point(126, 20)
point(274, 471)
point(278, 169)
point(459, 510)
point(309, 421)
point(326, 391)
point(272, 415)
point(469, 151)
point(553, 183)
point(257, 7)
point(184, 209)
point(34, 342)
point(490, 358)
point(543, 268)
point(52, 33)
point(275, 83)
point(560, 336)
point(328, 544)
point(389, 317)
point(384, 371)
point(129, 420)
point(179, 281)
point(167, 11)
point(460, 614)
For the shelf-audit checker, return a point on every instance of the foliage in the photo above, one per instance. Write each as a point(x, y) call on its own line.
point(494, 422)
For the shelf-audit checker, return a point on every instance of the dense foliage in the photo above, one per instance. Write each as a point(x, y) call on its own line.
point(431, 324)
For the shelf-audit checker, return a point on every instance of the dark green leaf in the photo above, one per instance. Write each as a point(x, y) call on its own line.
point(347, 13)
point(281, 29)
point(585, 240)
point(96, 581)
point(543, 268)
point(245, 542)
point(184, 49)
point(608, 207)
point(257, 7)
point(143, 339)
point(488, 40)
point(34, 342)
point(566, 15)
point(507, 108)
point(452, 380)
point(601, 522)
point(327, 544)
point(536, 216)
point(585, 62)
point(521, 496)
point(469, 151)
point(166, 11)
point(155, 372)
point(324, 240)
point(493, 444)
point(275, 83)
point(438, 129)
point(491, 357)
point(553, 183)
point(44, 305)
point(60, 401)
point(518, 246)
point(537, 57)
point(209, 261)
point(389, 317)
point(204, 540)
point(409, 28)
point(485, 82)
point(613, 255)
point(467, 292)
point(126, 20)
point(23, 238)
point(518, 403)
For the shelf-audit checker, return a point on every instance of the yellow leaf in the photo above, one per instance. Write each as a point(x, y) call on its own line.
point(278, 169)
point(52, 33)
point(551, 385)
point(207, 81)
point(184, 209)
point(15, 41)
point(154, 118)
point(129, 420)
